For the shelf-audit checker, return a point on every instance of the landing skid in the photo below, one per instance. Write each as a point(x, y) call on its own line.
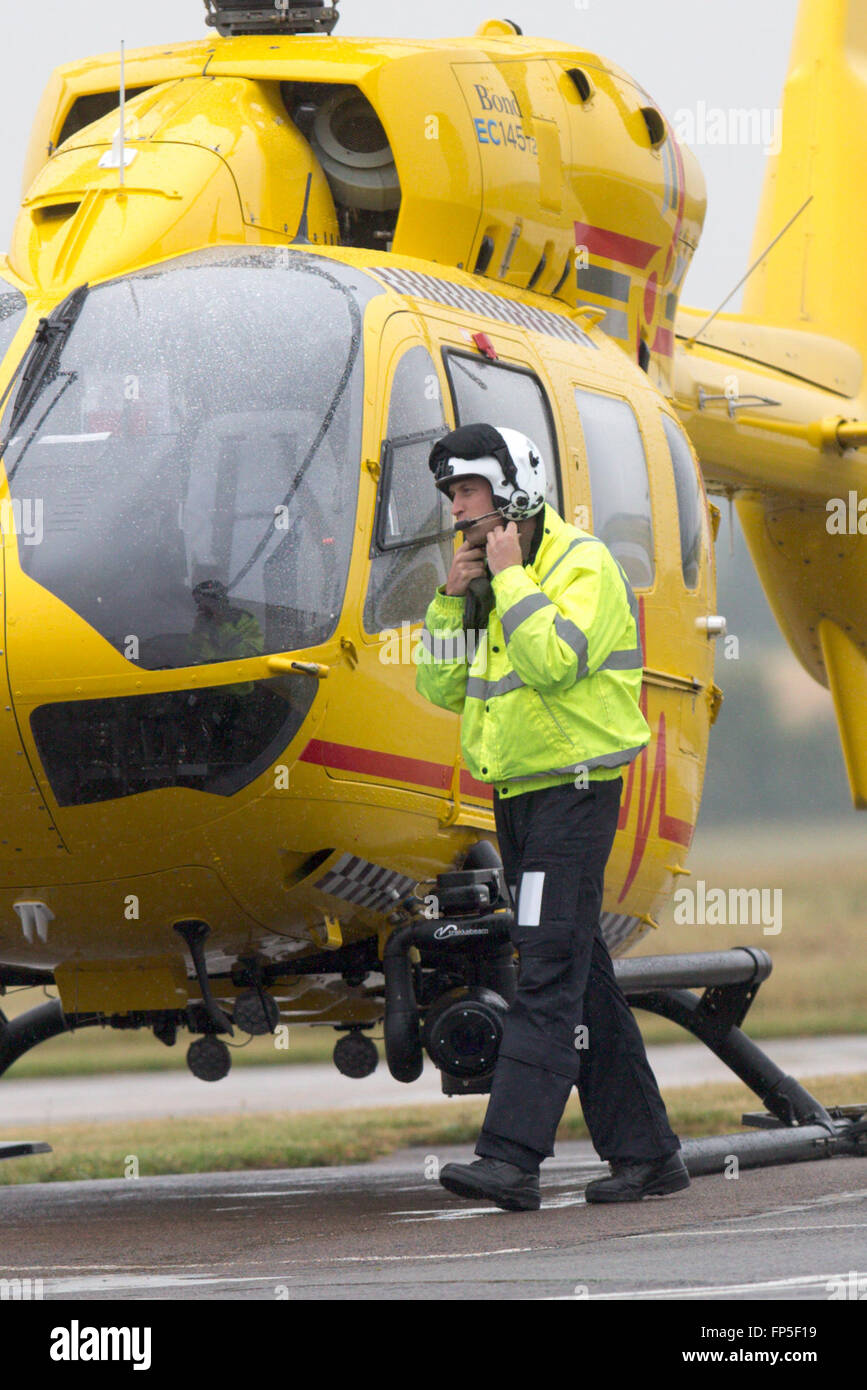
point(795, 1127)
point(17, 1036)
point(22, 1148)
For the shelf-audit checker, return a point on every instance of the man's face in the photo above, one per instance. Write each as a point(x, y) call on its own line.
point(471, 497)
point(211, 604)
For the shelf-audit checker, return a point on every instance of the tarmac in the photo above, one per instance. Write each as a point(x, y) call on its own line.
point(388, 1231)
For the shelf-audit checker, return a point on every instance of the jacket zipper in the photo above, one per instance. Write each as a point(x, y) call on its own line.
point(553, 717)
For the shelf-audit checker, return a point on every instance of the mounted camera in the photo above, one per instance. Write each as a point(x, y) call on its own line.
point(462, 1032)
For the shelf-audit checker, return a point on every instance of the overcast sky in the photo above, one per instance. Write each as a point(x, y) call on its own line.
point(684, 52)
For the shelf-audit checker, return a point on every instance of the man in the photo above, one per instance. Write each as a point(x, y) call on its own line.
point(221, 632)
point(550, 715)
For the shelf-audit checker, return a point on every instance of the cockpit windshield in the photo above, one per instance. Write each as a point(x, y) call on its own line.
point(12, 307)
point(189, 465)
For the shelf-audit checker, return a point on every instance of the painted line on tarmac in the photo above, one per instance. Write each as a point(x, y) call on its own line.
point(802, 1281)
point(213, 1196)
point(124, 1277)
point(467, 1213)
point(47, 1269)
point(285, 1192)
point(831, 1199)
point(754, 1230)
point(459, 1215)
point(117, 1283)
point(466, 1255)
point(102, 1283)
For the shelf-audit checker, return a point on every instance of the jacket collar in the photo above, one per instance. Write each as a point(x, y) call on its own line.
point(551, 543)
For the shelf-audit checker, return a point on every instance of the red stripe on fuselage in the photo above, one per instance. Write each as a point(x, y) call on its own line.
point(615, 246)
point(390, 766)
point(671, 828)
point(664, 342)
point(470, 787)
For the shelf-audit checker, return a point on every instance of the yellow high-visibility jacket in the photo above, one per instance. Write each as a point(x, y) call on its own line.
point(554, 685)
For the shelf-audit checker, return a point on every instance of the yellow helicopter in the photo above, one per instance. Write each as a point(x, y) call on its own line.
point(252, 280)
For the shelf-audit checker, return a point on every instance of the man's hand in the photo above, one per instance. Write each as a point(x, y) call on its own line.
point(469, 563)
point(504, 548)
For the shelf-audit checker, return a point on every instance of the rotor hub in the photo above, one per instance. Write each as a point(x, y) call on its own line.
point(234, 17)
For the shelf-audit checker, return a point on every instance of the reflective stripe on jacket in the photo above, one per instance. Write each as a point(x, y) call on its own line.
point(554, 686)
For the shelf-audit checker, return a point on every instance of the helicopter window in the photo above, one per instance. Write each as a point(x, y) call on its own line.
point(92, 107)
point(412, 533)
point(214, 740)
point(12, 307)
point(508, 397)
point(196, 448)
point(690, 500)
point(619, 483)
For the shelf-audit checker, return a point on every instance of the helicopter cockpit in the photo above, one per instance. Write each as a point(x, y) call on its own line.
point(194, 446)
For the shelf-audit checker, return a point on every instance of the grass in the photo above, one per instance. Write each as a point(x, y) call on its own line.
point(820, 955)
point(262, 1141)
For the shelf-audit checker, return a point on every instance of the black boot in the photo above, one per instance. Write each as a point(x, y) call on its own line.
point(629, 1181)
point(493, 1180)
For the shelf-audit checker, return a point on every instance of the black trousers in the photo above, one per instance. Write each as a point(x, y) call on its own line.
point(569, 1024)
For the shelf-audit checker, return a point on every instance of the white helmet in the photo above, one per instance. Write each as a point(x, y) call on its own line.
point(506, 459)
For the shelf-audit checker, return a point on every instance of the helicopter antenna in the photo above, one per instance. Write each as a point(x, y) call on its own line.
point(697, 334)
point(231, 17)
point(118, 157)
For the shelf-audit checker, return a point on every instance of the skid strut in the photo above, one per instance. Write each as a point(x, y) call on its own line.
point(17, 1036)
point(796, 1126)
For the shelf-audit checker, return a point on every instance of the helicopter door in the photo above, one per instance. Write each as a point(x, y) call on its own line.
point(695, 592)
point(410, 554)
point(656, 530)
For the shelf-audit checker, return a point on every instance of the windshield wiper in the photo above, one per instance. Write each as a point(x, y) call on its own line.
point(357, 335)
point(37, 362)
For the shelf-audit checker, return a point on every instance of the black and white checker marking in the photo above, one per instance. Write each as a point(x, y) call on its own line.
point(359, 881)
point(492, 306)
